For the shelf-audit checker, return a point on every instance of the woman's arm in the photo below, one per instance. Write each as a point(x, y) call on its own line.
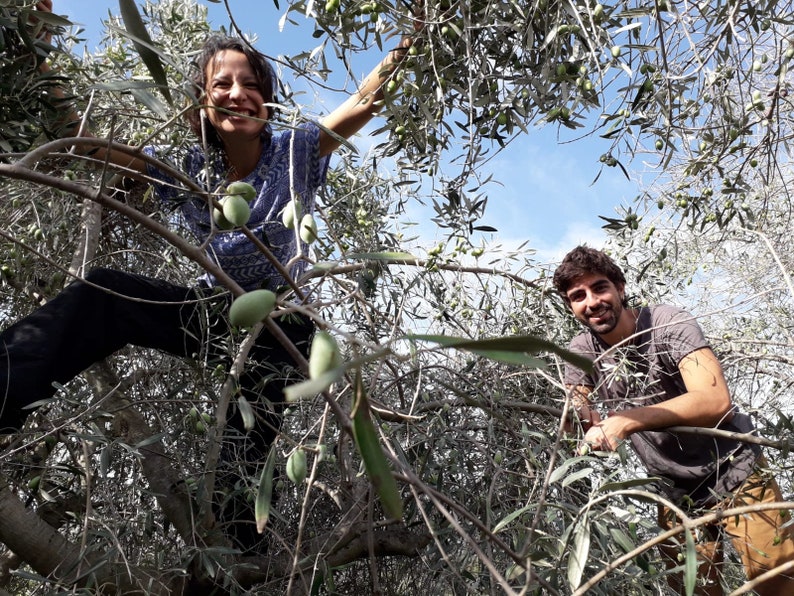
point(359, 108)
point(73, 124)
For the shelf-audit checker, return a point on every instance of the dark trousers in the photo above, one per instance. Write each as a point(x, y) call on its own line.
point(89, 320)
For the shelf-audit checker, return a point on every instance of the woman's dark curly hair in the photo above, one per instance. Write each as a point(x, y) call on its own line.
point(265, 78)
point(581, 261)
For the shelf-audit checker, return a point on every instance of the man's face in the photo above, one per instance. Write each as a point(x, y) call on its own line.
point(596, 302)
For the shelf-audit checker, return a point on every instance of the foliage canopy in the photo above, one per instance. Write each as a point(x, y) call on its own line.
point(412, 466)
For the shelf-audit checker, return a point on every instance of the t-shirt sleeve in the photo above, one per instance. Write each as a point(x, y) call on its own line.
point(572, 374)
point(681, 332)
point(165, 186)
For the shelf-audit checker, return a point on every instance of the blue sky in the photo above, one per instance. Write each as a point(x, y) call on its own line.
point(545, 198)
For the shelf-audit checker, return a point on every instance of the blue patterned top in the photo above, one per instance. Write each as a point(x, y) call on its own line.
point(233, 252)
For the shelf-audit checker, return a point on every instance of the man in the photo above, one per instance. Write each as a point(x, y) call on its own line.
point(653, 369)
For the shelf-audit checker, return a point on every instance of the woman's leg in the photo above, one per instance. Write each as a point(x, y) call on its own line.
point(86, 322)
point(269, 369)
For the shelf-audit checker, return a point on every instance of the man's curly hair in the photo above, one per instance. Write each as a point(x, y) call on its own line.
point(583, 260)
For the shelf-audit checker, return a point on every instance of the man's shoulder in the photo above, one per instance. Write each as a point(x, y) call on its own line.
point(583, 343)
point(667, 311)
point(665, 316)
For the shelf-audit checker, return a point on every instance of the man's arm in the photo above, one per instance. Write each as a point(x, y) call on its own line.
point(582, 405)
point(707, 402)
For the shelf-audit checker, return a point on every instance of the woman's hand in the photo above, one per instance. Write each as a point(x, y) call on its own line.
point(45, 34)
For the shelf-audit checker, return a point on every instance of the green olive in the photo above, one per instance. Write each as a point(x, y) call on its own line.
point(236, 210)
point(243, 189)
point(250, 308)
point(324, 355)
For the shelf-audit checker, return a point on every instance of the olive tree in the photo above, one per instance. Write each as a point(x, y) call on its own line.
point(432, 456)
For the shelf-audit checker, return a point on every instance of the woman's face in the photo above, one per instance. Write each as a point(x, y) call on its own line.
point(232, 85)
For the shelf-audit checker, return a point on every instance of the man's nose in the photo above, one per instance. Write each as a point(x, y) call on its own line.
point(590, 300)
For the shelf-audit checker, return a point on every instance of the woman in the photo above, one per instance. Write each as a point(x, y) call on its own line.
point(86, 322)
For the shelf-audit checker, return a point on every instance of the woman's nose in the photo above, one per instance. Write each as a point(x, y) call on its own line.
point(236, 90)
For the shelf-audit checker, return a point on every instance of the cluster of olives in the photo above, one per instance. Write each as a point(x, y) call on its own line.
point(292, 215)
point(234, 211)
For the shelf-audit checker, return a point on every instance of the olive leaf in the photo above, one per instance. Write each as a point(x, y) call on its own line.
point(143, 43)
point(375, 462)
point(264, 493)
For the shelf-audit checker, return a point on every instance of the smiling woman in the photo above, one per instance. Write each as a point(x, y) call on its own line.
point(239, 82)
point(96, 316)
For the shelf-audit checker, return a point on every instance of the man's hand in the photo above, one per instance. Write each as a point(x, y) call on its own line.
point(580, 401)
point(586, 416)
point(607, 434)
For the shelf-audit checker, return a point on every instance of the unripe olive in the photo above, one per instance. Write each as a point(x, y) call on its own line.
point(236, 210)
point(296, 466)
point(243, 189)
point(220, 219)
point(250, 308)
point(292, 214)
point(322, 453)
point(308, 229)
point(324, 354)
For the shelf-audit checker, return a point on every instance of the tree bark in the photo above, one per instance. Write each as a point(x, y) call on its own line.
point(388, 542)
point(37, 542)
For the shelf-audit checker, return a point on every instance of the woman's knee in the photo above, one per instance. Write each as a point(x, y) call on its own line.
point(103, 277)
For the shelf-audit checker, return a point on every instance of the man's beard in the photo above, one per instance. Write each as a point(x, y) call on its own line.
point(608, 320)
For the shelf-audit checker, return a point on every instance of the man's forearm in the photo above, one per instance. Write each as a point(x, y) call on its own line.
point(689, 409)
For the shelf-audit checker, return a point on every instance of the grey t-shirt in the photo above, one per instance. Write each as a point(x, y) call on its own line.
point(646, 372)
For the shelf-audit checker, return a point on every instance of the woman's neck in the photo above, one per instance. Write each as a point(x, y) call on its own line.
point(242, 158)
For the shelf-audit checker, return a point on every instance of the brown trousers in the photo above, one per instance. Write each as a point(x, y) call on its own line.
point(763, 539)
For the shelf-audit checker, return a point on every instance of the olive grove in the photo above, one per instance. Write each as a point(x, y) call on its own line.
point(433, 460)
